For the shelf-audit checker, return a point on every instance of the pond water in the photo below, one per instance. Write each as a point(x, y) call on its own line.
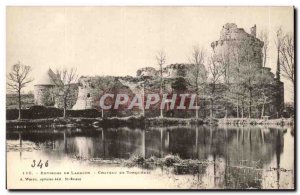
point(253, 157)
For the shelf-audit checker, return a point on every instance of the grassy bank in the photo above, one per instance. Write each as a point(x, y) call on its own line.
point(170, 160)
point(255, 121)
point(133, 121)
point(183, 166)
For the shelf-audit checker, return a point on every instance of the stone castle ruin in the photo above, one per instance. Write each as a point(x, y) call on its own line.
point(243, 51)
point(169, 71)
point(44, 91)
point(235, 45)
point(85, 99)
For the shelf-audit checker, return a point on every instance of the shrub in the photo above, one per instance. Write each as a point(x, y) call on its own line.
point(39, 112)
point(137, 159)
point(170, 159)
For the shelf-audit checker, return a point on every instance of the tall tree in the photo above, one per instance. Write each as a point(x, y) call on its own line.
point(197, 75)
point(225, 61)
point(278, 42)
point(63, 80)
point(235, 92)
point(161, 60)
point(264, 90)
point(287, 58)
point(17, 79)
point(216, 71)
point(100, 86)
point(264, 36)
point(245, 74)
point(263, 79)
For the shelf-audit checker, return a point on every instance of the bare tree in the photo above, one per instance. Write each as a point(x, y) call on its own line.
point(102, 85)
point(248, 73)
point(264, 36)
point(287, 58)
point(243, 77)
point(216, 71)
point(224, 59)
point(264, 90)
point(17, 79)
point(278, 42)
point(197, 75)
point(161, 60)
point(63, 80)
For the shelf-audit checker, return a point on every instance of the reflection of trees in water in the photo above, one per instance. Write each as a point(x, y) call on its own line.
point(237, 154)
point(108, 144)
point(235, 144)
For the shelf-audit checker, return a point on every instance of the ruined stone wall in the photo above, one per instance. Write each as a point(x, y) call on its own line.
point(175, 70)
point(169, 71)
point(146, 72)
point(85, 99)
point(42, 95)
point(72, 97)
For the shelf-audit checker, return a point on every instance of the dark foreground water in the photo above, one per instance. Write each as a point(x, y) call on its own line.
point(235, 157)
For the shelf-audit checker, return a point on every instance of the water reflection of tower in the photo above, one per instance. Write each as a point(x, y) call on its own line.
point(164, 141)
point(226, 156)
point(279, 150)
point(155, 142)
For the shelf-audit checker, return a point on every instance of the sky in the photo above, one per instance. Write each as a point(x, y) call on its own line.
point(119, 40)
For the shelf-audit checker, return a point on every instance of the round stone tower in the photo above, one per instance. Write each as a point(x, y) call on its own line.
point(42, 89)
point(236, 47)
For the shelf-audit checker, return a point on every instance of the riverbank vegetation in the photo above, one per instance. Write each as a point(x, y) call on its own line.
point(48, 117)
point(77, 122)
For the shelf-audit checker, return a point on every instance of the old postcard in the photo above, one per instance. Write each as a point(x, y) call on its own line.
point(150, 98)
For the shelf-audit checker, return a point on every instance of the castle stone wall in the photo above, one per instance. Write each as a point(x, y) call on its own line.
point(85, 99)
point(41, 94)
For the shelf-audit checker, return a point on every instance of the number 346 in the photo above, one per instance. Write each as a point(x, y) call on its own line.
point(39, 164)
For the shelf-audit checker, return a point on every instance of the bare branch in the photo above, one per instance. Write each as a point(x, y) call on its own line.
point(63, 79)
point(17, 79)
point(264, 36)
point(286, 51)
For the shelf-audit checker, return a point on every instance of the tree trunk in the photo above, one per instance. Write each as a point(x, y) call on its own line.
point(197, 107)
point(250, 103)
point(226, 110)
point(237, 109)
point(20, 106)
point(212, 102)
point(161, 109)
point(65, 112)
point(265, 58)
point(211, 109)
point(263, 108)
point(65, 108)
point(242, 109)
